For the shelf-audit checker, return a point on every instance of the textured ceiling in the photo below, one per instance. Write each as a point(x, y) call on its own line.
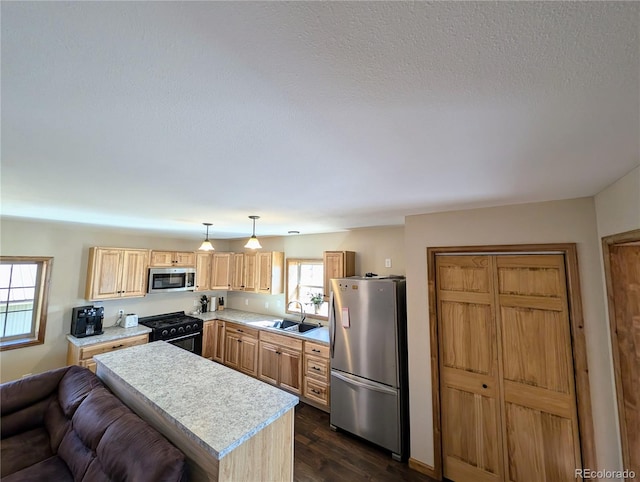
point(317, 116)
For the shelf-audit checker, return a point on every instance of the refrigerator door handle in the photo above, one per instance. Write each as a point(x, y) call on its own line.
point(369, 386)
point(332, 324)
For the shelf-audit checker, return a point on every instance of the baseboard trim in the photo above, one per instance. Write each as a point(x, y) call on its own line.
point(423, 468)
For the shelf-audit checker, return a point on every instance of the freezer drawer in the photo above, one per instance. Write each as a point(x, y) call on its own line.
point(367, 409)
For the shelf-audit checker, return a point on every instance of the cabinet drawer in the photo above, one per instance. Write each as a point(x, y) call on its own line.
point(316, 391)
point(282, 340)
point(317, 368)
point(316, 349)
point(240, 329)
point(90, 351)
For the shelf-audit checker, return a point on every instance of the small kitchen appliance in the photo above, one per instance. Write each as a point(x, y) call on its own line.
point(130, 321)
point(176, 328)
point(86, 321)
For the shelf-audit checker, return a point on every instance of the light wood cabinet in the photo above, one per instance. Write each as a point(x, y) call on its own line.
point(237, 271)
point(213, 340)
point(241, 348)
point(83, 355)
point(221, 271)
point(337, 264)
point(270, 272)
point(116, 273)
point(168, 259)
point(203, 271)
point(280, 361)
point(316, 374)
point(250, 271)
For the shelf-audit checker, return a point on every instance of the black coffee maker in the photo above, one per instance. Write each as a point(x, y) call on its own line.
point(87, 321)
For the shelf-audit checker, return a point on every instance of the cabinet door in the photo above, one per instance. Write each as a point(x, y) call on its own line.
point(290, 369)
point(105, 272)
point(264, 272)
point(232, 344)
point(249, 356)
point(203, 271)
point(337, 264)
point(219, 341)
point(184, 259)
point(220, 271)
point(208, 339)
point(250, 268)
point(161, 259)
point(134, 273)
point(269, 363)
point(237, 273)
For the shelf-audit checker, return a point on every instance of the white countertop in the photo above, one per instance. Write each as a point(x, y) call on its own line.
point(217, 407)
point(111, 333)
point(319, 335)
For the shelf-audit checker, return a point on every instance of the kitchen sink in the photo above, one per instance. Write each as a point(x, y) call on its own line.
point(290, 325)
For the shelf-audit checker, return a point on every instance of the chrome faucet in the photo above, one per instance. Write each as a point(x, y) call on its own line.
point(302, 315)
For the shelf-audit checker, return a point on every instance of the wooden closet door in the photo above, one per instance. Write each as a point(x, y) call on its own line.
point(471, 431)
point(540, 415)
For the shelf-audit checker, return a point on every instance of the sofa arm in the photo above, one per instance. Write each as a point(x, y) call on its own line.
point(27, 391)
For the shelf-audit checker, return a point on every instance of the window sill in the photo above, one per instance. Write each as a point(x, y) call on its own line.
point(19, 343)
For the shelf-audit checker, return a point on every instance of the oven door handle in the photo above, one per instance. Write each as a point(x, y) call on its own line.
point(190, 335)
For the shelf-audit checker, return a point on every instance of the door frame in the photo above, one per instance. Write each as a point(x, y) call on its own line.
point(607, 243)
point(578, 342)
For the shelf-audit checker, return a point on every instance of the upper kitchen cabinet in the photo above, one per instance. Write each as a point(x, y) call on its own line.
point(250, 271)
point(168, 259)
point(237, 271)
point(221, 271)
point(337, 264)
point(203, 271)
point(116, 273)
point(270, 272)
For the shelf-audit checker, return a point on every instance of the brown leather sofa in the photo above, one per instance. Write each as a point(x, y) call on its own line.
point(65, 425)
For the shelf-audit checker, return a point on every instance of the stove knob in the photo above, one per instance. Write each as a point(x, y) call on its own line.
point(181, 329)
point(164, 333)
point(188, 327)
point(172, 331)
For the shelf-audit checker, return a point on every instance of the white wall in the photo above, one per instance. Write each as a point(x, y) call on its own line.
point(618, 206)
point(570, 221)
point(69, 245)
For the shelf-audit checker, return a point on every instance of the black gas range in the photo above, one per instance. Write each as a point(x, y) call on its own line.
point(176, 328)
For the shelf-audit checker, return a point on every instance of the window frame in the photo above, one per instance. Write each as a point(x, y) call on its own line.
point(299, 262)
point(40, 301)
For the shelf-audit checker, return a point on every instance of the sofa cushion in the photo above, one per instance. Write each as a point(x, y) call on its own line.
point(23, 450)
point(49, 470)
point(28, 391)
point(74, 387)
point(26, 418)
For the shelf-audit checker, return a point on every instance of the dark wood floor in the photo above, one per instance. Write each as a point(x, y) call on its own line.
point(324, 455)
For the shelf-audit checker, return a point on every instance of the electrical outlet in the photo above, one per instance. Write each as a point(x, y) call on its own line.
point(120, 312)
point(387, 263)
point(266, 304)
point(246, 302)
point(195, 303)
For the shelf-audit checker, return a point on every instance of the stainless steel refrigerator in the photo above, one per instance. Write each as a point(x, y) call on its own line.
point(368, 344)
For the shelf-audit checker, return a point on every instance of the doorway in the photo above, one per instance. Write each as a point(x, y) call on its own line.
point(508, 357)
point(622, 276)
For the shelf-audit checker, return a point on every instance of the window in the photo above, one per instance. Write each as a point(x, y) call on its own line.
point(305, 283)
point(24, 289)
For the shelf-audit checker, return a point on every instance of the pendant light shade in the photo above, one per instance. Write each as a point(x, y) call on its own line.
point(253, 242)
point(206, 244)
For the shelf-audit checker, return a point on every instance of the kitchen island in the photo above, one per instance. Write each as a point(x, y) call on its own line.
point(230, 426)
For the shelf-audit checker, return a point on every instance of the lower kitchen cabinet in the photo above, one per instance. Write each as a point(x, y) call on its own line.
point(213, 340)
point(241, 348)
point(280, 361)
point(83, 355)
point(317, 371)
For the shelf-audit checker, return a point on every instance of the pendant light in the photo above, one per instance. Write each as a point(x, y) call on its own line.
point(206, 244)
point(253, 242)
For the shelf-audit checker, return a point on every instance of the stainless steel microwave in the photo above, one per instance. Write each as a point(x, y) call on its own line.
point(163, 280)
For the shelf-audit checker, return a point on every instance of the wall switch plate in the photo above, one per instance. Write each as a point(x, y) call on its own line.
point(266, 304)
point(387, 263)
point(246, 302)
